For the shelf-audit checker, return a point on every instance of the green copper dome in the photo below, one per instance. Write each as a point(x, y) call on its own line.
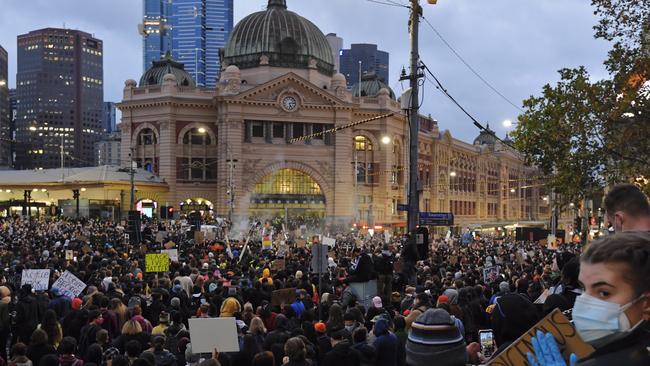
point(284, 37)
point(164, 66)
point(370, 86)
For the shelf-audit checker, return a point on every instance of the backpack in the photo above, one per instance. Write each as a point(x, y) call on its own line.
point(133, 301)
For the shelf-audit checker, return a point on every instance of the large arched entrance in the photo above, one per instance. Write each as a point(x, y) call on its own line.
point(287, 191)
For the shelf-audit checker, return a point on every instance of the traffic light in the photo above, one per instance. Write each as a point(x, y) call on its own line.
point(170, 212)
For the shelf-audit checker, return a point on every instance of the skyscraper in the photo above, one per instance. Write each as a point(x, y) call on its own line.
point(192, 30)
point(5, 112)
point(59, 91)
point(13, 102)
point(109, 118)
point(372, 61)
point(155, 30)
point(336, 43)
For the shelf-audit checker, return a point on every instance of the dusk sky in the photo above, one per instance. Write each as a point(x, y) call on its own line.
point(517, 46)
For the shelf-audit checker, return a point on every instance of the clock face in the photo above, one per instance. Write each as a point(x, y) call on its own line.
point(289, 103)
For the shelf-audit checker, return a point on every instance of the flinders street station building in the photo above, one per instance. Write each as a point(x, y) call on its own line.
point(259, 146)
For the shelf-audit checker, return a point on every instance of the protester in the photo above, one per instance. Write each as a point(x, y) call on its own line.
point(627, 208)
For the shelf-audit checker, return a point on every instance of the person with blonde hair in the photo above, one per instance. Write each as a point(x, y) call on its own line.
point(132, 330)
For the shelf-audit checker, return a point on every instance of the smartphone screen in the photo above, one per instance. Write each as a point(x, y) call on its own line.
point(486, 337)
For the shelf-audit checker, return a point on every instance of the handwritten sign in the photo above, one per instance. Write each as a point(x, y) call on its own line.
point(564, 333)
point(301, 243)
point(160, 236)
point(278, 265)
point(157, 262)
point(38, 278)
point(173, 254)
point(210, 236)
point(69, 255)
point(284, 296)
point(199, 237)
point(69, 285)
point(169, 245)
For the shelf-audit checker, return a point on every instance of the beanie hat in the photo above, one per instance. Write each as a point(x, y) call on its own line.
point(434, 335)
point(175, 302)
point(320, 327)
point(76, 303)
point(504, 287)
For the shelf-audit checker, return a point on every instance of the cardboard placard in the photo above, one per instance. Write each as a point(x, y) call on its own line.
point(208, 334)
point(210, 236)
point(301, 243)
point(69, 285)
point(173, 254)
point(278, 265)
point(38, 278)
point(284, 296)
point(565, 334)
point(86, 249)
point(169, 245)
point(155, 262)
point(199, 237)
point(69, 255)
point(160, 236)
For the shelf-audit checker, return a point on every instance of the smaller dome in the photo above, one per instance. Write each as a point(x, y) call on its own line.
point(232, 69)
point(339, 77)
point(371, 86)
point(486, 137)
point(130, 83)
point(160, 69)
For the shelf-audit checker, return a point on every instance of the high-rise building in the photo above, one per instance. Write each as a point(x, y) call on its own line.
point(372, 61)
point(13, 103)
point(193, 31)
point(156, 30)
point(336, 43)
point(5, 112)
point(109, 117)
point(59, 91)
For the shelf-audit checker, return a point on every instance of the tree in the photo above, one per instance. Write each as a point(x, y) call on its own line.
point(585, 134)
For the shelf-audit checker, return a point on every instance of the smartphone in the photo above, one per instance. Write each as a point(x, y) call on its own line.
point(486, 337)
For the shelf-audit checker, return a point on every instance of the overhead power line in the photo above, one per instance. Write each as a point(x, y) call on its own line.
point(487, 83)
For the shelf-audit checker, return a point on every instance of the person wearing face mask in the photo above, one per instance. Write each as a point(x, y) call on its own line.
point(613, 312)
point(627, 208)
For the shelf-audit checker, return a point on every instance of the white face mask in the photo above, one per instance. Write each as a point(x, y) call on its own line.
point(595, 318)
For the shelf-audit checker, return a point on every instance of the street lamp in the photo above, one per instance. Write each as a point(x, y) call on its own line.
point(32, 128)
point(385, 140)
point(512, 190)
point(452, 174)
point(201, 130)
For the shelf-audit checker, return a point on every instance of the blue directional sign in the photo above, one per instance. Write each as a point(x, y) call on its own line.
point(436, 219)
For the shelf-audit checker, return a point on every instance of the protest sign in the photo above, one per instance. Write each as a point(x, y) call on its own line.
point(69, 255)
point(283, 250)
point(169, 245)
point(542, 298)
point(69, 285)
point(38, 278)
point(86, 249)
point(284, 296)
point(157, 262)
point(173, 254)
point(278, 265)
point(564, 333)
point(490, 274)
point(199, 237)
point(208, 334)
point(330, 242)
point(267, 242)
point(210, 236)
point(301, 243)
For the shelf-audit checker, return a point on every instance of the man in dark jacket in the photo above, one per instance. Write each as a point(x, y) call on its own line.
point(26, 314)
point(385, 344)
point(59, 303)
point(342, 353)
point(384, 267)
point(361, 269)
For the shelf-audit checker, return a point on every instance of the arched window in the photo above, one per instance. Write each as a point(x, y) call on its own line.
point(147, 137)
point(197, 136)
point(363, 160)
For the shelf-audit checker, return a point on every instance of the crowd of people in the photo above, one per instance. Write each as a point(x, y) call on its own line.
point(428, 310)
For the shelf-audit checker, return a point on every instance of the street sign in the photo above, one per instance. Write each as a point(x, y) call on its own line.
point(402, 207)
point(436, 219)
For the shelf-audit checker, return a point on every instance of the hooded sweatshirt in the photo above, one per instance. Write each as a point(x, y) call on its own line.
point(266, 273)
point(385, 344)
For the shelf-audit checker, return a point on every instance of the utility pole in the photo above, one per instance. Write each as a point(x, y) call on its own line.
point(231, 188)
point(414, 120)
point(132, 171)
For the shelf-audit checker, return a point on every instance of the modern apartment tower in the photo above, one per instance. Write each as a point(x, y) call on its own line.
point(59, 92)
point(336, 43)
point(372, 61)
point(109, 117)
point(193, 31)
point(5, 112)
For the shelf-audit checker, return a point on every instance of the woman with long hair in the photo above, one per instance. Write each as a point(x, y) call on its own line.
point(52, 328)
point(120, 310)
point(335, 320)
point(249, 349)
point(39, 346)
point(258, 331)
